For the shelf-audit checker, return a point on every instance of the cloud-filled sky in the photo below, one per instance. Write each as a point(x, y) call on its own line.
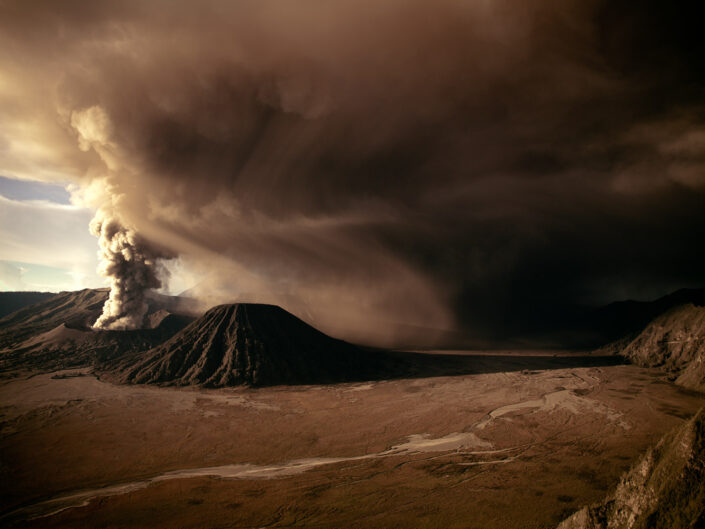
point(382, 168)
point(45, 243)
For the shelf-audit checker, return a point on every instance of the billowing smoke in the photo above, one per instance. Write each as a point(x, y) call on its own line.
point(132, 265)
point(385, 169)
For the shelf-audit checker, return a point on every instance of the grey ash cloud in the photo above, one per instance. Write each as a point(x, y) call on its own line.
point(133, 267)
point(383, 167)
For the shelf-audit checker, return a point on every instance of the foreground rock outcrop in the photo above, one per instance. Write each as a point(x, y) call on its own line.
point(674, 341)
point(246, 344)
point(664, 490)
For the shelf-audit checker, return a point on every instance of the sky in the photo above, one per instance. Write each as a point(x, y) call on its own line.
point(391, 171)
point(44, 240)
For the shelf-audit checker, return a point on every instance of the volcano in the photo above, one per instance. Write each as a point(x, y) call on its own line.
point(247, 344)
point(75, 309)
point(56, 333)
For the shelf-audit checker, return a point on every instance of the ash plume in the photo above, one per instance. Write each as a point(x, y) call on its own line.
point(385, 168)
point(132, 265)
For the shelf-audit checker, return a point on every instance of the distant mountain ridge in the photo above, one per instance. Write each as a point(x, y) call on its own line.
point(587, 327)
point(12, 301)
point(75, 309)
point(245, 344)
point(79, 309)
point(65, 347)
point(622, 317)
point(256, 344)
point(56, 333)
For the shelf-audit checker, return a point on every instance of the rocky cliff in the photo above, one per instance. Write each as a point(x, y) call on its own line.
point(674, 341)
point(664, 490)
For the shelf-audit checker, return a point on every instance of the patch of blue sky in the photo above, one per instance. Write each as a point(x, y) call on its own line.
point(15, 275)
point(26, 190)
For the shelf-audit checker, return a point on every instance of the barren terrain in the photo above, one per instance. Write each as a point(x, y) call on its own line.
point(508, 441)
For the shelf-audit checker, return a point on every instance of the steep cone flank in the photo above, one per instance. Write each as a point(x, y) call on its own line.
point(246, 344)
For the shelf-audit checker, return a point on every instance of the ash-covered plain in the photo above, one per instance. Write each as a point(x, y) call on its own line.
point(249, 417)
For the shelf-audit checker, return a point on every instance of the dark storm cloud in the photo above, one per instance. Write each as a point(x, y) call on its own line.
point(379, 166)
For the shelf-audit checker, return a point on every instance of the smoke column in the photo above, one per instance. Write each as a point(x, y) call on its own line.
point(384, 168)
point(132, 265)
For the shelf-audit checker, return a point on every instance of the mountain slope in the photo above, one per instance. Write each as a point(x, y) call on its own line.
point(12, 301)
point(66, 347)
point(249, 344)
point(583, 327)
point(56, 333)
point(664, 490)
point(675, 341)
point(79, 309)
point(621, 317)
point(75, 309)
